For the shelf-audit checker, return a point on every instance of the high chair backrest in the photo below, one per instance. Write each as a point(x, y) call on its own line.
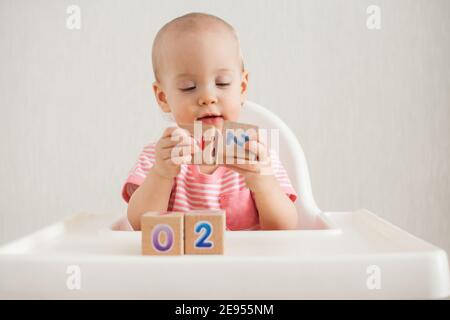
point(291, 156)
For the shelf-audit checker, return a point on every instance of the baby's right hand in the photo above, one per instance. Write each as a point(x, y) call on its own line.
point(167, 158)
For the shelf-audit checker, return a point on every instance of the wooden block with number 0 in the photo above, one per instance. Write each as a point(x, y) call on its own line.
point(162, 233)
point(204, 232)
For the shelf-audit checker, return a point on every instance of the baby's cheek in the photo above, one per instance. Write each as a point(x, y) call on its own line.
point(184, 117)
point(233, 111)
point(183, 114)
point(232, 106)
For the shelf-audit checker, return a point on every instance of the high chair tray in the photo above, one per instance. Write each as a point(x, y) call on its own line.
point(358, 256)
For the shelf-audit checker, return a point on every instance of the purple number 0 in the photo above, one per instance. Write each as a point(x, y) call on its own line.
point(169, 237)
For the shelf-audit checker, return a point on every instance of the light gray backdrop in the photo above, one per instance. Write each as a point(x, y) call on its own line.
point(370, 107)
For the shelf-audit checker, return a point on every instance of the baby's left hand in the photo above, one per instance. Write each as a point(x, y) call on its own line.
point(252, 170)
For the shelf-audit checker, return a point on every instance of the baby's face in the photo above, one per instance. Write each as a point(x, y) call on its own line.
point(201, 74)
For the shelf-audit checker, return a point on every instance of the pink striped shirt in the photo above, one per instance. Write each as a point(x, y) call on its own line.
point(223, 189)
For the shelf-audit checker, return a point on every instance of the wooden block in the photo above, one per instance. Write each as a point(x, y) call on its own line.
point(204, 232)
point(231, 143)
point(162, 233)
point(207, 136)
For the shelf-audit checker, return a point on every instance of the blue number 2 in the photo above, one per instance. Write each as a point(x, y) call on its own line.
point(202, 240)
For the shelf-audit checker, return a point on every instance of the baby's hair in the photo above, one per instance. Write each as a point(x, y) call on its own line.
point(188, 22)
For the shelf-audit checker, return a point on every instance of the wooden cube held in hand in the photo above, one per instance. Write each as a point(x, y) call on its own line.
point(207, 136)
point(162, 233)
point(231, 144)
point(204, 232)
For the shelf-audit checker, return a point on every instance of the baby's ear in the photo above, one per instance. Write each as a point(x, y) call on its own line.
point(244, 85)
point(160, 96)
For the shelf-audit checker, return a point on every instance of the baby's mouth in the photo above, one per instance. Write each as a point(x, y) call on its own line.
point(211, 119)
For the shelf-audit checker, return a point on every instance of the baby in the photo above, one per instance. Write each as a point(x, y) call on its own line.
point(200, 76)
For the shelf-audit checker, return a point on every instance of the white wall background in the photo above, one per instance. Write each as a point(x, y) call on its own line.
point(370, 107)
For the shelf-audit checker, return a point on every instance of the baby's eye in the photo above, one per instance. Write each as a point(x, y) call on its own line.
point(223, 81)
point(187, 89)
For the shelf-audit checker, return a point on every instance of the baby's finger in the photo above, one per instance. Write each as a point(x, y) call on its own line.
point(166, 154)
point(176, 140)
point(181, 150)
point(171, 153)
point(181, 132)
point(257, 149)
point(168, 131)
point(175, 134)
point(192, 144)
point(252, 134)
point(260, 137)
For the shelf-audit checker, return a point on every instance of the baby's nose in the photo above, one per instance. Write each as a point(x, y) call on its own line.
point(207, 101)
point(207, 97)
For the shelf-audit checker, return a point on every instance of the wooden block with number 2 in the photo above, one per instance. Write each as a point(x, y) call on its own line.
point(204, 232)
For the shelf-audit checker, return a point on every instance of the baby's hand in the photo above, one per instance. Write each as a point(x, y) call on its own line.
point(174, 148)
point(253, 170)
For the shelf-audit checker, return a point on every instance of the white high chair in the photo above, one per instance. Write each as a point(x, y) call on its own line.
point(334, 255)
point(293, 159)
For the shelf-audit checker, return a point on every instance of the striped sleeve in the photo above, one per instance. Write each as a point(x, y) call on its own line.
point(138, 173)
point(282, 176)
